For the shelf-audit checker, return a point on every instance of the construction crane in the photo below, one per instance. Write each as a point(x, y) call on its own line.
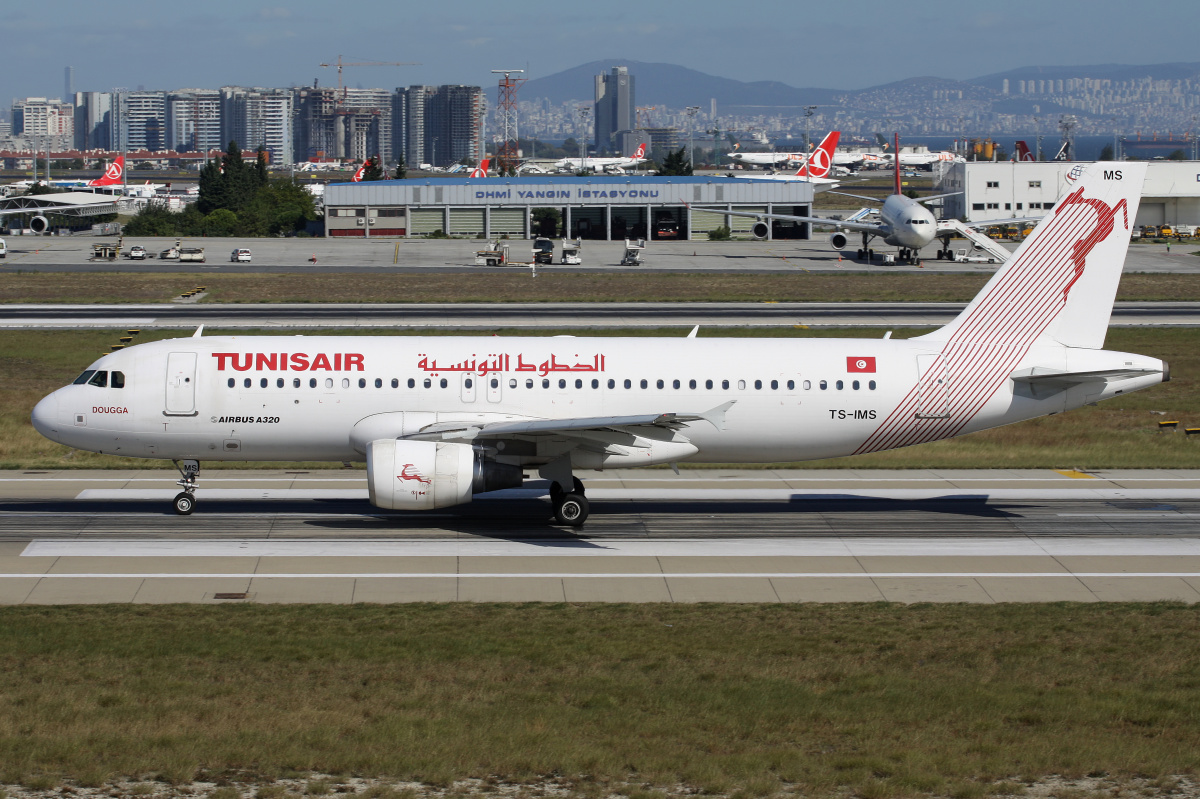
point(340, 63)
point(643, 115)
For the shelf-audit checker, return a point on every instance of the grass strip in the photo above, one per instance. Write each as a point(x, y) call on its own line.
point(876, 700)
point(549, 286)
point(1119, 434)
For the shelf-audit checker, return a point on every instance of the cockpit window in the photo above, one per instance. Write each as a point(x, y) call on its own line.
point(83, 378)
point(99, 379)
point(118, 380)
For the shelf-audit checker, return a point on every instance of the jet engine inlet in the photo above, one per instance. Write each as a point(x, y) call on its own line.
point(838, 241)
point(760, 230)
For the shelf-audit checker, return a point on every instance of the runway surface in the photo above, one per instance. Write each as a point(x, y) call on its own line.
point(705, 535)
point(538, 315)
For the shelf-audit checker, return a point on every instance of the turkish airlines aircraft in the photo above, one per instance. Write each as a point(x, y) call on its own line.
point(114, 174)
point(814, 170)
point(763, 159)
point(481, 171)
point(602, 164)
point(1023, 151)
point(439, 419)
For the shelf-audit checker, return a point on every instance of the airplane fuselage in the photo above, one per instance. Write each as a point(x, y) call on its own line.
point(324, 398)
point(908, 223)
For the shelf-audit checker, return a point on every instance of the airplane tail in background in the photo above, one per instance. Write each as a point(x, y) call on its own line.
point(481, 171)
point(113, 174)
point(820, 162)
point(1059, 286)
point(641, 151)
point(358, 173)
point(1023, 153)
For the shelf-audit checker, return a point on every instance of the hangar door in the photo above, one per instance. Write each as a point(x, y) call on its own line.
point(510, 221)
point(426, 220)
point(1151, 214)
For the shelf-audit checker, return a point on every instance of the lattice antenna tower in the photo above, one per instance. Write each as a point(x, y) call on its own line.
point(506, 117)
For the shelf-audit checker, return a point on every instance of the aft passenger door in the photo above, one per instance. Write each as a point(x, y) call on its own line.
point(181, 384)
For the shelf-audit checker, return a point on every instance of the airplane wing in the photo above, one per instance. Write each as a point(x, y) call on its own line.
point(460, 430)
point(844, 224)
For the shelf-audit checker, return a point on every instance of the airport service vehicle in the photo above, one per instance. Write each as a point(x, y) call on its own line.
point(240, 255)
point(3, 249)
point(602, 164)
point(571, 252)
point(439, 419)
point(191, 254)
point(137, 253)
point(633, 252)
point(543, 250)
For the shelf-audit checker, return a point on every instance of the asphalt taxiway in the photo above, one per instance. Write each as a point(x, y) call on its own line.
point(704, 535)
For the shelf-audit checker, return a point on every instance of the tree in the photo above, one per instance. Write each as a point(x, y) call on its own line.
point(401, 169)
point(1106, 153)
point(373, 169)
point(153, 219)
point(260, 165)
point(1177, 155)
point(676, 163)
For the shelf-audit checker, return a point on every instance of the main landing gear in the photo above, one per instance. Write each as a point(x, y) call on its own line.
point(570, 507)
point(185, 500)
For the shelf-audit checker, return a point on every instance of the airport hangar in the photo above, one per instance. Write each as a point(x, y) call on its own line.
point(993, 190)
point(598, 207)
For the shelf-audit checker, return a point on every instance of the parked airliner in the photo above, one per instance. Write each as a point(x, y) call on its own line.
point(439, 419)
point(814, 170)
point(602, 164)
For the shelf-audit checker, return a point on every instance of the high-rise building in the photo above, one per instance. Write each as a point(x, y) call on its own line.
point(257, 117)
point(353, 123)
point(193, 120)
point(95, 122)
point(443, 125)
point(614, 105)
point(52, 122)
point(144, 116)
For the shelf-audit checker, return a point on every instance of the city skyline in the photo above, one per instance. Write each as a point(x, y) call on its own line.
point(115, 45)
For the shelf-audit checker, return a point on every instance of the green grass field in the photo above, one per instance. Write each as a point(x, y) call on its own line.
point(1121, 433)
point(874, 701)
point(518, 286)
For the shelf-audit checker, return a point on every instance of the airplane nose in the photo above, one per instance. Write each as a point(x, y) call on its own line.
point(45, 416)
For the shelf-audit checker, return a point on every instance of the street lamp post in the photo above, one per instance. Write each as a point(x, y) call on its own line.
point(691, 112)
point(584, 113)
point(808, 112)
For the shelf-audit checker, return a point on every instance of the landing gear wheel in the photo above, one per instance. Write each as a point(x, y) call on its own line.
point(870, 255)
point(184, 503)
point(859, 255)
point(572, 510)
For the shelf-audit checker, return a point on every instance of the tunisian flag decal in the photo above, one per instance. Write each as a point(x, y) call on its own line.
point(860, 364)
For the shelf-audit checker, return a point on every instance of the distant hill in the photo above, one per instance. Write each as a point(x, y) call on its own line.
point(1174, 71)
point(674, 86)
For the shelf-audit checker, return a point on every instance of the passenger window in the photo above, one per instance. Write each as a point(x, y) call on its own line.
point(295, 382)
point(791, 385)
point(279, 382)
point(362, 382)
point(645, 384)
point(345, 382)
point(824, 385)
point(595, 383)
point(659, 383)
point(807, 385)
point(529, 383)
point(512, 382)
point(395, 383)
point(378, 383)
point(232, 382)
point(443, 382)
point(246, 382)
point(774, 385)
point(840, 385)
point(428, 382)
point(118, 380)
point(545, 383)
point(741, 385)
point(83, 378)
point(674, 384)
point(578, 383)
point(612, 383)
point(725, 384)
point(562, 383)
point(691, 384)
point(468, 383)
point(871, 385)
point(262, 383)
point(628, 383)
point(758, 385)
point(708, 384)
point(99, 379)
point(412, 383)
point(312, 382)
point(854, 385)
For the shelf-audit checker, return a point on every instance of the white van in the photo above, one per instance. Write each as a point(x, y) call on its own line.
point(240, 254)
point(3, 249)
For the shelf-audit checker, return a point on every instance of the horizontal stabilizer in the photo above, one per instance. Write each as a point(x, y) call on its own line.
point(1046, 376)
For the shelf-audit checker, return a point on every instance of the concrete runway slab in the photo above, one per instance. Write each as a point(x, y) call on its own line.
point(723, 535)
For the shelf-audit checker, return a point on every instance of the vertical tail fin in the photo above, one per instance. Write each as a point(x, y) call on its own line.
point(1059, 286)
point(358, 173)
point(820, 161)
point(1023, 153)
point(641, 151)
point(114, 173)
point(481, 171)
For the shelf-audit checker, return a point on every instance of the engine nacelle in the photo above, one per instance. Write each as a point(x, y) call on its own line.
point(423, 475)
point(838, 241)
point(39, 224)
point(760, 230)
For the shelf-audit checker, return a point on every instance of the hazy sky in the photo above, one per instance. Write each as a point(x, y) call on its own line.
point(167, 44)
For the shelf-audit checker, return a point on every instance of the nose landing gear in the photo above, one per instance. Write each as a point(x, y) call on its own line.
point(185, 501)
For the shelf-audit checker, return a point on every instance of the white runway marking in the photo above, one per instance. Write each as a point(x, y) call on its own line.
point(564, 575)
point(752, 547)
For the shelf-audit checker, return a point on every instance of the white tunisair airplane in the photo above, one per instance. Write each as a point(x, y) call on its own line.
point(439, 419)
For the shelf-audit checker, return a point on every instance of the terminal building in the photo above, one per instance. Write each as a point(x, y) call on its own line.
point(1012, 189)
point(597, 207)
